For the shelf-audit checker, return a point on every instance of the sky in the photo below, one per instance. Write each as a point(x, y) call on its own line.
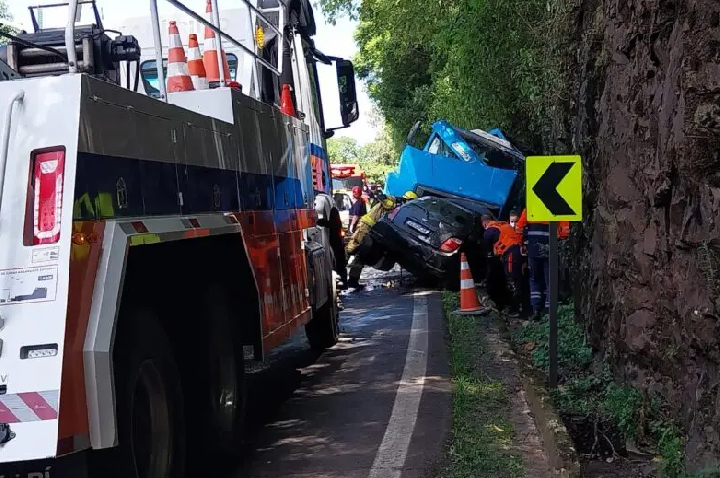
point(332, 40)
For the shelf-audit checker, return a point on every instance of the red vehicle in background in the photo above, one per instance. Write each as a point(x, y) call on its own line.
point(347, 176)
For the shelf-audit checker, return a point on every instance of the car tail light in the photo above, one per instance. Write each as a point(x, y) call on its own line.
point(451, 245)
point(47, 168)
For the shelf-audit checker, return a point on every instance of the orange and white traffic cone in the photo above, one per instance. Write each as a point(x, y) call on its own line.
point(178, 78)
point(469, 303)
point(195, 64)
point(286, 102)
point(210, 53)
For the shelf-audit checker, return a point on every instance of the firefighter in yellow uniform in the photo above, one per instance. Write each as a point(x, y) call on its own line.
point(363, 227)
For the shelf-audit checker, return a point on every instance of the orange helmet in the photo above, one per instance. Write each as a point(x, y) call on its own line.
point(357, 192)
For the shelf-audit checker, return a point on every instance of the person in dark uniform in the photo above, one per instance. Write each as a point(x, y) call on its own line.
point(358, 209)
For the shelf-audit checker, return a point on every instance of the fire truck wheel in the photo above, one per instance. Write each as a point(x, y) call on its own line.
point(226, 397)
point(323, 330)
point(149, 404)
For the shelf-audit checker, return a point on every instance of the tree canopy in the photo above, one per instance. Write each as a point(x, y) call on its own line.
point(376, 158)
point(4, 15)
point(476, 63)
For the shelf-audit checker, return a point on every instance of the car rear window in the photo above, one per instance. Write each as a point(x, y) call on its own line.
point(446, 211)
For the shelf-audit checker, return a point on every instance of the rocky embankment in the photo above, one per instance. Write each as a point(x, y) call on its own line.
point(648, 124)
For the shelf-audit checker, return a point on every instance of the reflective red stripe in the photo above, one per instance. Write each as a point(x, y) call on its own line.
point(38, 405)
point(6, 416)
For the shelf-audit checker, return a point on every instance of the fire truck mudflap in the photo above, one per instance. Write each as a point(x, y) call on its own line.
point(40, 119)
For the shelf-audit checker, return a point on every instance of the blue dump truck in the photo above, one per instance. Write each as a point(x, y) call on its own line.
point(466, 164)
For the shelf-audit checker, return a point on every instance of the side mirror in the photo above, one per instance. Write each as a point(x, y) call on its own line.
point(349, 111)
point(413, 132)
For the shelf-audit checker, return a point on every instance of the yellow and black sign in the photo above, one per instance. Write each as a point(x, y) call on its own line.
point(553, 188)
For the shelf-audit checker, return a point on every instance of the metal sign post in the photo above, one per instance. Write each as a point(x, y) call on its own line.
point(554, 193)
point(553, 291)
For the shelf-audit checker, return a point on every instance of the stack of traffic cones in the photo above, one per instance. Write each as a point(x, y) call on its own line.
point(195, 64)
point(210, 53)
point(286, 102)
point(469, 303)
point(178, 78)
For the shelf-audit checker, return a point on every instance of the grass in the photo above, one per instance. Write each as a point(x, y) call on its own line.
point(481, 427)
point(597, 396)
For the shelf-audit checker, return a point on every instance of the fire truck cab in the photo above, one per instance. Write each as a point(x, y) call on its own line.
point(152, 244)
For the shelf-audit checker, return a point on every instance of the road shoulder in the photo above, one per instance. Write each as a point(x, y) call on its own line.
point(493, 433)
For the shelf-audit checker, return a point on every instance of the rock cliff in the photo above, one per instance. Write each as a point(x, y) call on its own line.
point(647, 121)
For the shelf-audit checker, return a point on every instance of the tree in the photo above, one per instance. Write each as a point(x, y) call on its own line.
point(376, 158)
point(343, 149)
point(4, 15)
point(478, 64)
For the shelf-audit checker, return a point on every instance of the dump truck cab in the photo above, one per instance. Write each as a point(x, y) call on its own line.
point(454, 162)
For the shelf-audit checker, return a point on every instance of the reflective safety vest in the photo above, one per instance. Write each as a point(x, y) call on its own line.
point(508, 238)
point(373, 215)
point(563, 230)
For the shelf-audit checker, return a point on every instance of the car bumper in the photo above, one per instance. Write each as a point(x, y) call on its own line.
point(414, 255)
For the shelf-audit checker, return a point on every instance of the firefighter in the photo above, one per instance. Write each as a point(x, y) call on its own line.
point(503, 244)
point(408, 196)
point(358, 209)
point(365, 224)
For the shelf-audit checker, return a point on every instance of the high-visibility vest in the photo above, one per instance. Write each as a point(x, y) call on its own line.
point(563, 230)
point(508, 238)
point(373, 215)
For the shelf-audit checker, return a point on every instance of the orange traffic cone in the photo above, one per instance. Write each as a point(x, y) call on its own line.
point(210, 58)
point(286, 102)
point(178, 78)
point(469, 303)
point(195, 64)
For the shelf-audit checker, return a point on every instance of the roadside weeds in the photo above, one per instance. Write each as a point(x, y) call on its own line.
point(620, 431)
point(493, 434)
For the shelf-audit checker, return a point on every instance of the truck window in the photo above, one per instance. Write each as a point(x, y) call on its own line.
point(148, 73)
point(438, 146)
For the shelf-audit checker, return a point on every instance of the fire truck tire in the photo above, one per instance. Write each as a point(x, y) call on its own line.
point(149, 404)
point(323, 330)
point(226, 395)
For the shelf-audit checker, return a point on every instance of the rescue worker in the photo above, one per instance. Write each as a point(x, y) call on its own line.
point(516, 221)
point(357, 210)
point(408, 196)
point(503, 243)
point(372, 195)
point(366, 222)
point(536, 237)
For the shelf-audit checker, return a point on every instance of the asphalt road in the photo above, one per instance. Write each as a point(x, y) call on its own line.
point(377, 405)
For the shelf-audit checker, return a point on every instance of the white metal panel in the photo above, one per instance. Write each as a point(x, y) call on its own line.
point(48, 117)
point(97, 351)
point(216, 103)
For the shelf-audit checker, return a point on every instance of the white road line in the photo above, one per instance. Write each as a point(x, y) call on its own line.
point(390, 457)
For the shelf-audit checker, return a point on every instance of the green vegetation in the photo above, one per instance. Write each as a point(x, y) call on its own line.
point(598, 398)
point(478, 64)
point(377, 158)
point(481, 428)
point(4, 15)
point(710, 266)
